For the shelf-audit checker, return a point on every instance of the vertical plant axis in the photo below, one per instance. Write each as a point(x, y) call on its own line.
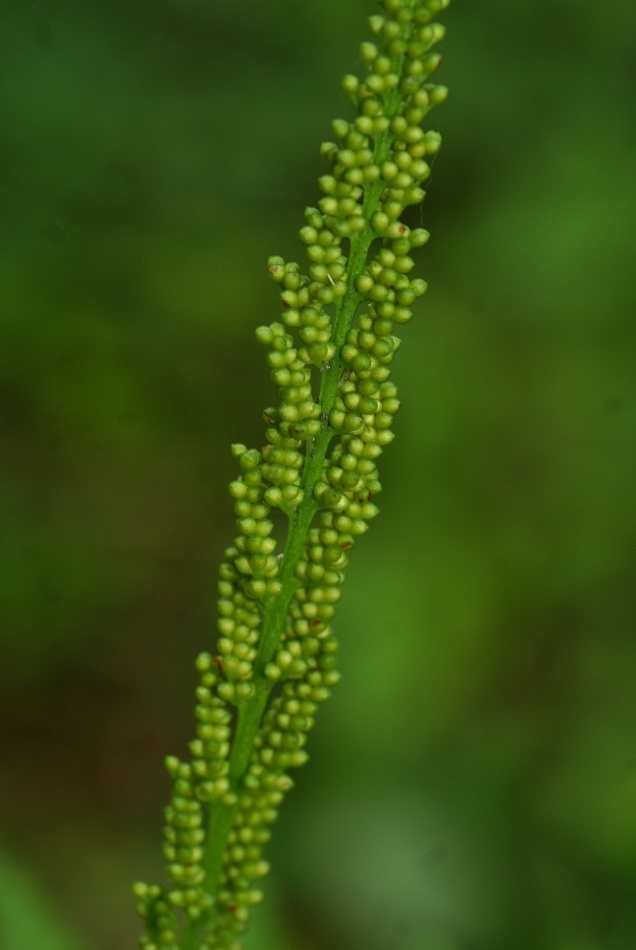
point(275, 659)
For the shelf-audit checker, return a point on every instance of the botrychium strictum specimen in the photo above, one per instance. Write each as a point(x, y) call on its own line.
point(330, 358)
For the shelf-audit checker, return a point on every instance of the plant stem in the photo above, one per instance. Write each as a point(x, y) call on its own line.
point(251, 712)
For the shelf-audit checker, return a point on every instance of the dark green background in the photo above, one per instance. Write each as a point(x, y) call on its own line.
point(472, 784)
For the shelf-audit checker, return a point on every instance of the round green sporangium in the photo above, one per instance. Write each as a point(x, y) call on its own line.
point(329, 355)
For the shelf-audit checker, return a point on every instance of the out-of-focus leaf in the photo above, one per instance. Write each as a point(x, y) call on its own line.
point(27, 921)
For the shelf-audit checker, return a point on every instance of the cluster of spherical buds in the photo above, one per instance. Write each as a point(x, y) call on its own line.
point(403, 172)
point(305, 297)
point(155, 910)
point(250, 565)
point(297, 417)
point(363, 413)
point(305, 667)
point(320, 456)
point(382, 153)
point(196, 784)
point(278, 748)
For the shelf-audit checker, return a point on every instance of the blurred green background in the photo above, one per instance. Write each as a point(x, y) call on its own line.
point(472, 784)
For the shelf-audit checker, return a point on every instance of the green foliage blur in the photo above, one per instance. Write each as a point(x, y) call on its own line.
point(472, 784)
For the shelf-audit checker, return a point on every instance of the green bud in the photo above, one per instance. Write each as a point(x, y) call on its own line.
point(313, 218)
point(401, 246)
point(328, 184)
point(375, 83)
point(352, 421)
point(238, 489)
point(422, 14)
point(347, 157)
point(404, 264)
point(204, 662)
point(328, 205)
point(389, 170)
point(436, 6)
point(364, 284)
point(329, 151)
point(397, 47)
point(340, 128)
point(380, 221)
point(226, 691)
point(349, 353)
point(256, 588)
point(368, 52)
point(264, 335)
point(316, 253)
point(273, 496)
point(361, 363)
point(419, 287)
point(350, 84)
point(366, 340)
point(418, 237)
point(391, 30)
point(292, 495)
point(378, 292)
point(336, 419)
point(243, 692)
point(393, 209)
point(380, 373)
point(331, 498)
point(438, 94)
point(396, 230)
point(320, 353)
point(364, 124)
point(276, 267)
point(308, 235)
point(414, 196)
point(433, 142)
point(402, 315)
point(357, 223)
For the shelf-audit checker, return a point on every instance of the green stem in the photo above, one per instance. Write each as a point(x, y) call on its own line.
point(251, 712)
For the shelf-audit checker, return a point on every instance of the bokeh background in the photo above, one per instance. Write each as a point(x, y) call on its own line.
point(472, 784)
